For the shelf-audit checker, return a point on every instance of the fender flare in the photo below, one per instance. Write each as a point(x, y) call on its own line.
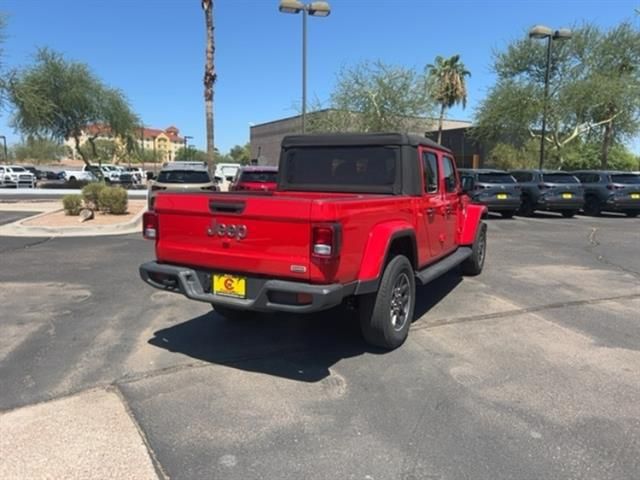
point(471, 223)
point(376, 250)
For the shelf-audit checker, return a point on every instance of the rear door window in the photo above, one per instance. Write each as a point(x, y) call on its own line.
point(430, 172)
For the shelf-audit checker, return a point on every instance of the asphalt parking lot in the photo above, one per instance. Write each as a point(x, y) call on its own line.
point(529, 371)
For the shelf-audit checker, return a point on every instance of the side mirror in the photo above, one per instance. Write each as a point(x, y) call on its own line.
point(467, 184)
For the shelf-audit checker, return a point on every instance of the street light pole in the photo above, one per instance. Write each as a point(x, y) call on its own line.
point(542, 32)
point(316, 9)
point(4, 141)
point(186, 151)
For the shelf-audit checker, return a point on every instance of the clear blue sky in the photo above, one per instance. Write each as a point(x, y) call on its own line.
point(153, 50)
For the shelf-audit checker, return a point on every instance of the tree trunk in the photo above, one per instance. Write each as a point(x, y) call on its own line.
point(76, 139)
point(209, 80)
point(440, 122)
point(606, 143)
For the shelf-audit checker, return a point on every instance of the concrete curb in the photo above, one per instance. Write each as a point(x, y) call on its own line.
point(18, 229)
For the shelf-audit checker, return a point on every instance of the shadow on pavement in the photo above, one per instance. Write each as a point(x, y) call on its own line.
point(298, 347)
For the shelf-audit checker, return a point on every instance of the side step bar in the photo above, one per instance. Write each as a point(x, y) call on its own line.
point(442, 266)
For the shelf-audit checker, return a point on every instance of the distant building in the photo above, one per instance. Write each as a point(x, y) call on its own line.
point(165, 142)
point(265, 138)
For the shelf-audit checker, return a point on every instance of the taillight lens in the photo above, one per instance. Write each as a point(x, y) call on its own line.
point(326, 239)
point(150, 225)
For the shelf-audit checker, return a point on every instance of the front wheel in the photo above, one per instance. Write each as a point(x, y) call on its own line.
point(386, 316)
point(527, 208)
point(592, 206)
point(632, 213)
point(475, 263)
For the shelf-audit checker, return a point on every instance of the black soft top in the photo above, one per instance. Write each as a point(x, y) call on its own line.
point(358, 139)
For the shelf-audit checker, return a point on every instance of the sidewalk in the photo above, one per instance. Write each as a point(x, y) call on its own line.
point(41, 208)
point(85, 436)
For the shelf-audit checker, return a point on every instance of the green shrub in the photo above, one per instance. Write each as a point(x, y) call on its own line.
point(72, 204)
point(113, 200)
point(91, 194)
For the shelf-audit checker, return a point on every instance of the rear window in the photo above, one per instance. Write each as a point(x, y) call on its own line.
point(495, 178)
point(629, 179)
point(559, 178)
point(259, 177)
point(348, 169)
point(183, 176)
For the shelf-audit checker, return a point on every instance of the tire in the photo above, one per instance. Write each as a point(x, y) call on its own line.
point(234, 314)
point(568, 213)
point(592, 206)
point(386, 316)
point(508, 214)
point(474, 264)
point(527, 208)
point(632, 213)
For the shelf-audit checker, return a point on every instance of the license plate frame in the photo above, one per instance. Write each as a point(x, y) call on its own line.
point(228, 285)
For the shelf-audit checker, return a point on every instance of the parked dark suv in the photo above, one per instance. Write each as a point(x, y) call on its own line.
point(610, 191)
point(552, 191)
point(496, 189)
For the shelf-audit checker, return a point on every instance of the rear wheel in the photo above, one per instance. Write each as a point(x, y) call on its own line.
point(508, 214)
point(473, 265)
point(632, 213)
point(592, 206)
point(386, 316)
point(234, 314)
point(568, 213)
point(527, 208)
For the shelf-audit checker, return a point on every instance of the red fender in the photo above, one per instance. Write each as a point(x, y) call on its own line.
point(378, 244)
point(470, 220)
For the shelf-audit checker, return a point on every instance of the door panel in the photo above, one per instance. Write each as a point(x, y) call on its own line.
point(451, 203)
point(431, 220)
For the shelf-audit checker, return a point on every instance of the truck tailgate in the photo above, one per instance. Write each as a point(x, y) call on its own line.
point(250, 234)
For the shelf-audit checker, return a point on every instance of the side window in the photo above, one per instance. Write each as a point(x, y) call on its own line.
point(430, 168)
point(449, 175)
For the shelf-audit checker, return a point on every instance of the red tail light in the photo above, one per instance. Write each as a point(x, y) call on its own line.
point(326, 239)
point(150, 226)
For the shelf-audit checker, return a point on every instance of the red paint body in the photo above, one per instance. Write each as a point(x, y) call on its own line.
point(280, 226)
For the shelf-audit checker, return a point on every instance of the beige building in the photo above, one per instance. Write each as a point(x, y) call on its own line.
point(265, 138)
point(164, 142)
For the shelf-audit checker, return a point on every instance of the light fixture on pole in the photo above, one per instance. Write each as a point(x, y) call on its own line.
point(315, 9)
point(540, 32)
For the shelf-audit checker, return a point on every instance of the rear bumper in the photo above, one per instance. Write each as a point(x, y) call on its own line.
point(500, 205)
point(559, 205)
point(621, 204)
point(260, 292)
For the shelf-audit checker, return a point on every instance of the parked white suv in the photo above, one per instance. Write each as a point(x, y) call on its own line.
point(16, 176)
point(111, 173)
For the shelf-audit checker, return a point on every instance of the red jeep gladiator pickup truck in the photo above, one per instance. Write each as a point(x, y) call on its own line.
point(354, 216)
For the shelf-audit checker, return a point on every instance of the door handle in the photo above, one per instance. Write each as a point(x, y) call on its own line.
point(430, 213)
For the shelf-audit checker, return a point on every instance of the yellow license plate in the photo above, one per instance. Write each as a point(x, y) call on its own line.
point(502, 196)
point(230, 286)
point(635, 196)
point(567, 195)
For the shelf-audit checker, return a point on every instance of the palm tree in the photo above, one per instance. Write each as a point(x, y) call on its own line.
point(209, 79)
point(447, 85)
